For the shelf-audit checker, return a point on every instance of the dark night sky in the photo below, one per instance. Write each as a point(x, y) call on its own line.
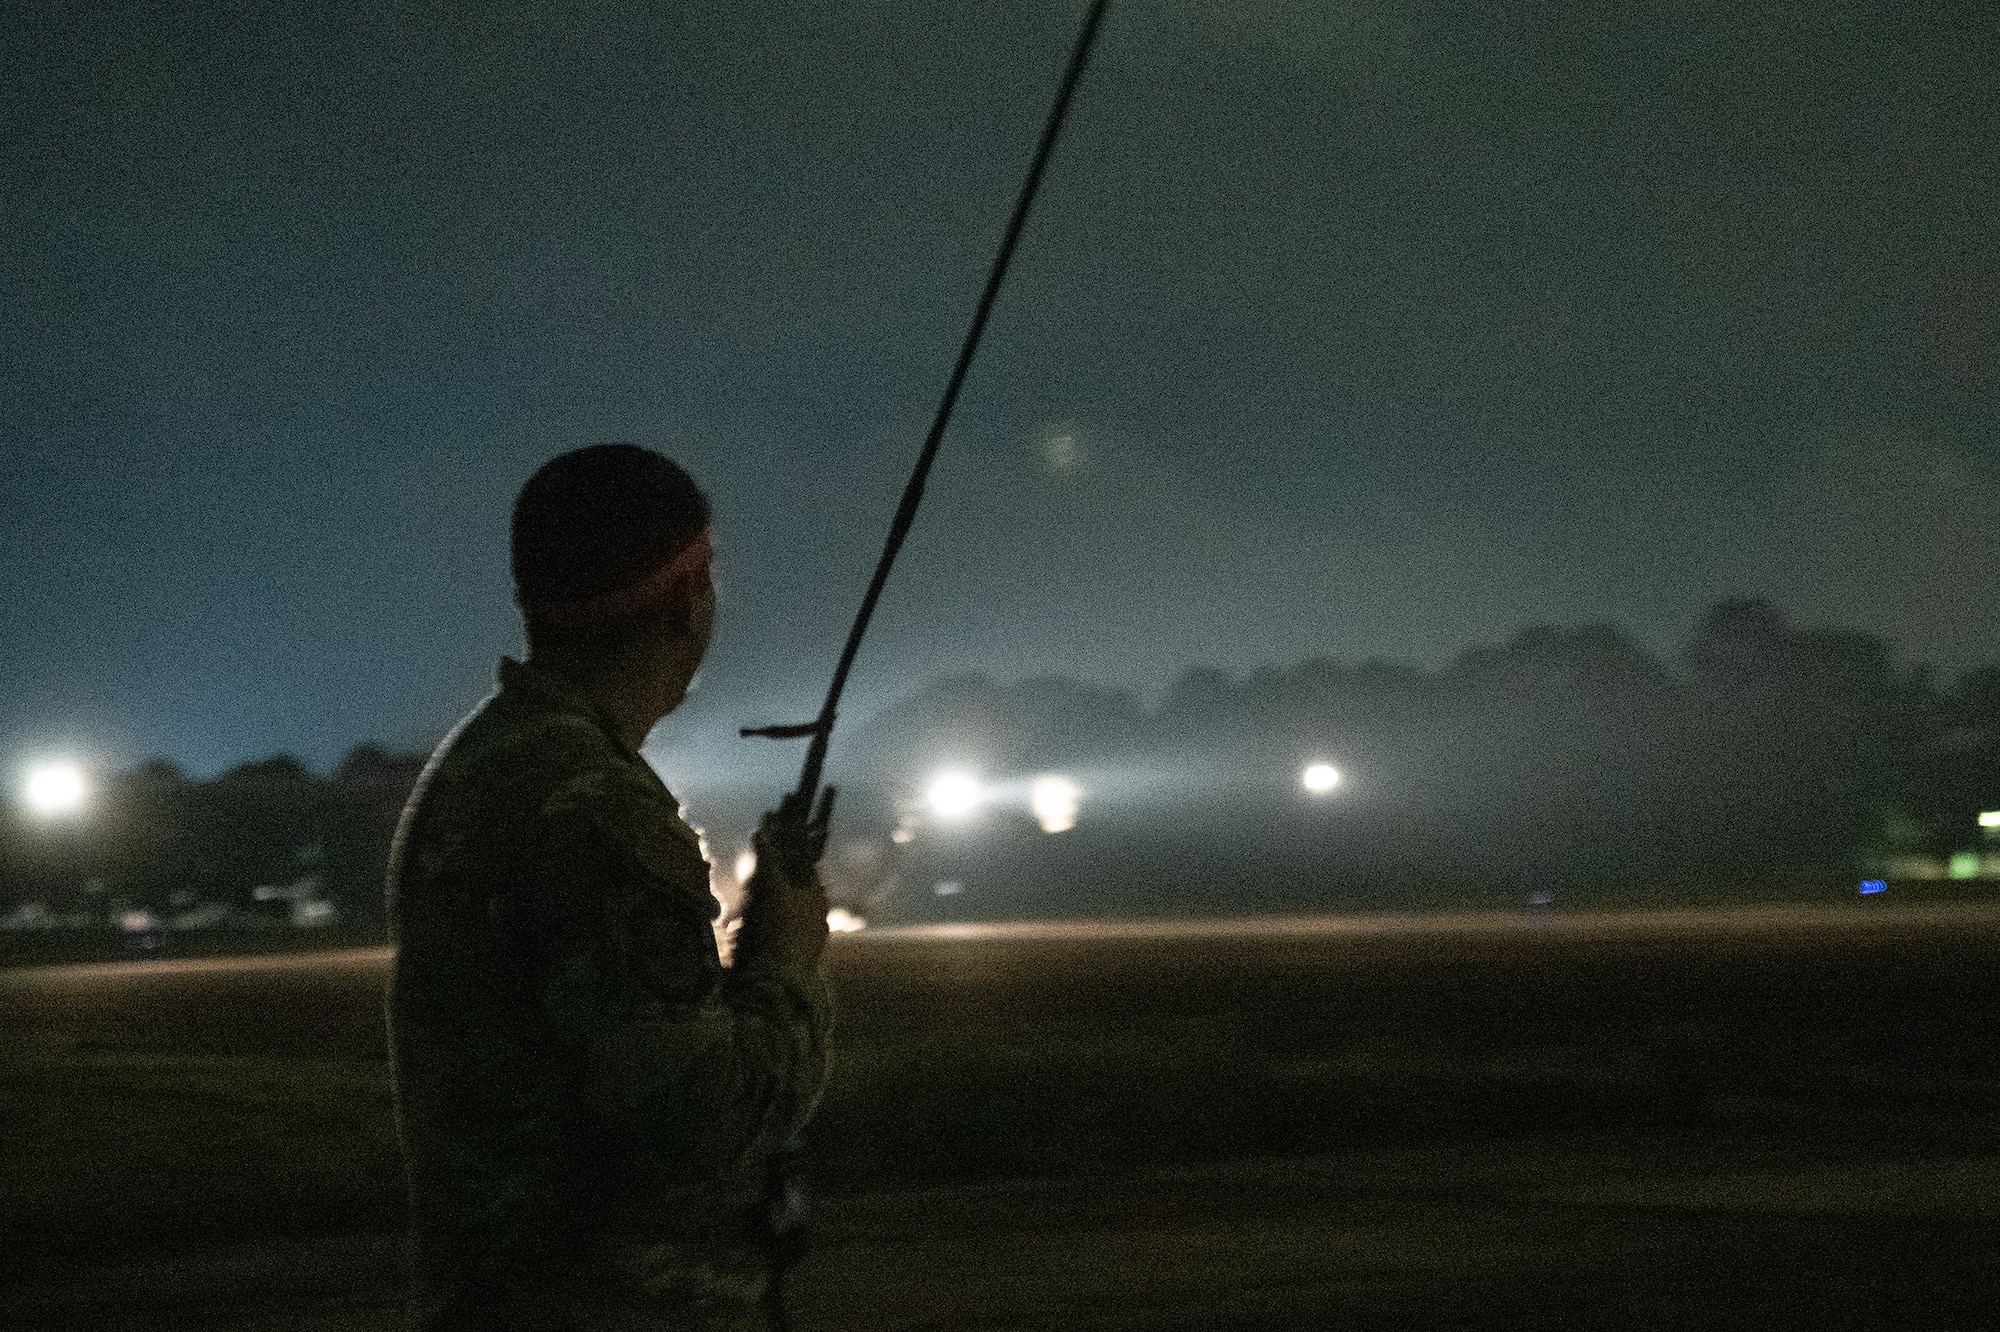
point(1374, 329)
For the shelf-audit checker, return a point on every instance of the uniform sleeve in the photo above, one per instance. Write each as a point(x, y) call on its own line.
point(702, 1068)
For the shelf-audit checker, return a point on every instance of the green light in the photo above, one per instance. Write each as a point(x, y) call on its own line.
point(1965, 865)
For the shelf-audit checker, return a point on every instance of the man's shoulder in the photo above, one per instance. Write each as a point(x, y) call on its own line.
point(529, 782)
point(563, 778)
point(509, 762)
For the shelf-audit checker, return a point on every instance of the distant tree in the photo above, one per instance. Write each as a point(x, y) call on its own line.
point(145, 832)
point(1202, 707)
point(1803, 736)
point(1957, 774)
point(1563, 751)
point(256, 824)
point(364, 799)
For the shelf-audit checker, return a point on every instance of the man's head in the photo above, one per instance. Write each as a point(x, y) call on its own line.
point(611, 562)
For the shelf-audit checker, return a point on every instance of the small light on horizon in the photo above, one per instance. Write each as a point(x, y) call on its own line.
point(1989, 818)
point(56, 789)
point(953, 795)
point(1872, 886)
point(1055, 801)
point(1319, 778)
point(842, 921)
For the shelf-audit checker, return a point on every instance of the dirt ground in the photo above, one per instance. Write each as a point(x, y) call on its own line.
point(1746, 1118)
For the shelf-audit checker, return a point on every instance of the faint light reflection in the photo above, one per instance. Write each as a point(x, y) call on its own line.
point(1062, 453)
point(1055, 801)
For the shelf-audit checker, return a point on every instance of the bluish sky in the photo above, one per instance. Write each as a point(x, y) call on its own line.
point(1371, 329)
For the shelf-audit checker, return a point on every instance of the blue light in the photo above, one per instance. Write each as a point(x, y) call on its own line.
point(1874, 886)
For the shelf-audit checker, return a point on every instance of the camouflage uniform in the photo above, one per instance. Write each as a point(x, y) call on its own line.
point(588, 1099)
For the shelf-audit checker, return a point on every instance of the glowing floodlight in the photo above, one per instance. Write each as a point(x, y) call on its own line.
point(56, 789)
point(746, 865)
point(953, 796)
point(1989, 818)
point(842, 921)
point(1319, 778)
point(1054, 801)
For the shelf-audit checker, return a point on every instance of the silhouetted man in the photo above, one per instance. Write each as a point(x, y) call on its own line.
point(588, 1099)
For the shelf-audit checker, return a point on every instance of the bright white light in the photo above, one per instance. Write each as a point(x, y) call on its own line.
point(1054, 800)
point(1319, 778)
point(55, 789)
point(842, 921)
point(746, 865)
point(1989, 818)
point(953, 795)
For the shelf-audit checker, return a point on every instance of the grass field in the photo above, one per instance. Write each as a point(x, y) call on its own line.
point(1751, 1118)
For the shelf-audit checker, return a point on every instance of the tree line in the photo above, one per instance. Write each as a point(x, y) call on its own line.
point(247, 848)
point(1759, 753)
point(1568, 758)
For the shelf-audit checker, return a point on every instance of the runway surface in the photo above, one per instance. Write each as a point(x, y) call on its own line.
point(1635, 923)
point(330, 1003)
point(1769, 1117)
